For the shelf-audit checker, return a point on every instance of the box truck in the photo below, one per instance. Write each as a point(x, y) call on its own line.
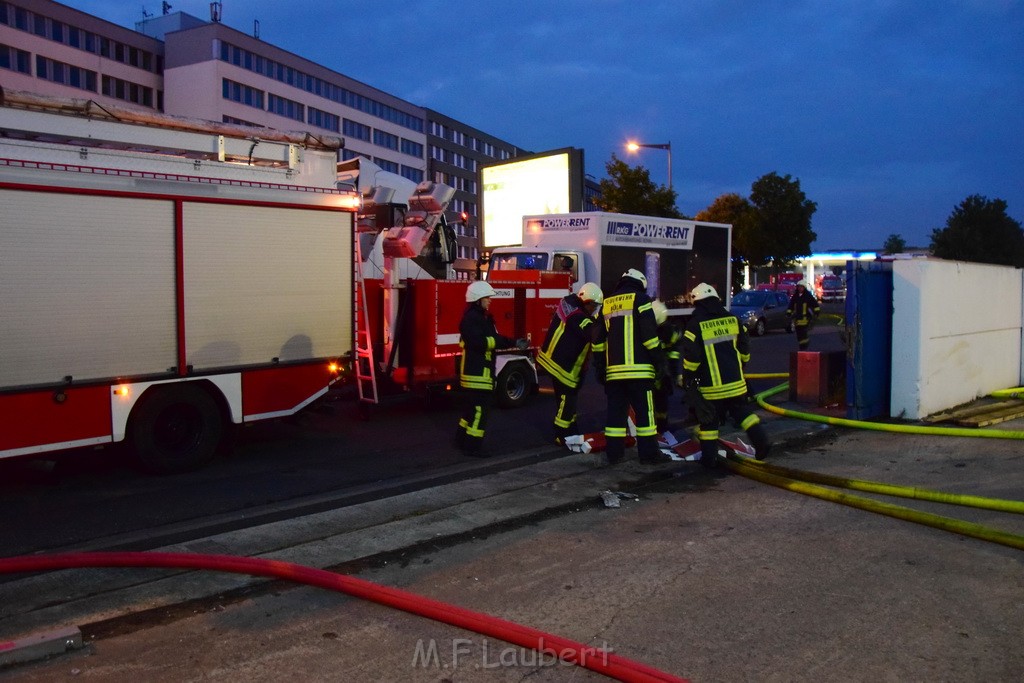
point(674, 254)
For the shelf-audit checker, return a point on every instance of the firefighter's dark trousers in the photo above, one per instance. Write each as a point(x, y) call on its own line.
point(662, 392)
point(477, 409)
point(713, 414)
point(803, 334)
point(637, 394)
point(566, 402)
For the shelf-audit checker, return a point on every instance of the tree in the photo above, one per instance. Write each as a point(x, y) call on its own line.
point(783, 215)
point(736, 210)
point(980, 230)
point(630, 190)
point(894, 244)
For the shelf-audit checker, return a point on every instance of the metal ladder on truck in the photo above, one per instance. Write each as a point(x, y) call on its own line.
point(365, 370)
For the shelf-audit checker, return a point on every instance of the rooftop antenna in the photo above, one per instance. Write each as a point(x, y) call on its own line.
point(145, 14)
point(215, 11)
point(256, 29)
point(166, 7)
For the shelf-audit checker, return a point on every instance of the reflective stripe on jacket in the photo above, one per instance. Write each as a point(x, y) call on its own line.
point(715, 347)
point(802, 308)
point(567, 343)
point(478, 339)
point(628, 335)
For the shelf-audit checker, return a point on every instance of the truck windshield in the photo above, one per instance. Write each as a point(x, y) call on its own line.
point(519, 261)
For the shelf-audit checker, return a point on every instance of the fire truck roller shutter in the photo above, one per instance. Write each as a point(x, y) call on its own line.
point(88, 287)
point(265, 283)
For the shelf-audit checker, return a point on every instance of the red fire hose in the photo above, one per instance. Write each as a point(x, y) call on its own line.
point(570, 651)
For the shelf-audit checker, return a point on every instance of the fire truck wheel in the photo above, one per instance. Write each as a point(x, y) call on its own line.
point(513, 385)
point(175, 428)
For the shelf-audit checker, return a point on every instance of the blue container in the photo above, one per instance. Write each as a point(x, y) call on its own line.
point(869, 338)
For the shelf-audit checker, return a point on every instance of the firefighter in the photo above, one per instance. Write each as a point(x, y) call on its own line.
point(803, 310)
point(628, 358)
point(715, 349)
point(565, 353)
point(478, 340)
point(670, 336)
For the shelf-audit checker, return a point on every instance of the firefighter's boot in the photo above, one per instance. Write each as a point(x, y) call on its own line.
point(759, 439)
point(709, 453)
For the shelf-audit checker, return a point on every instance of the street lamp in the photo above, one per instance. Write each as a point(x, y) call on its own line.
point(667, 146)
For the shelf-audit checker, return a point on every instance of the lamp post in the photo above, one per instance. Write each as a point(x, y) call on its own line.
point(667, 146)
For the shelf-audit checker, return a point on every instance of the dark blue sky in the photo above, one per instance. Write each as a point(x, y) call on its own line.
point(889, 112)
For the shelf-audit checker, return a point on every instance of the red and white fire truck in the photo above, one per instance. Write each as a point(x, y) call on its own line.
point(162, 279)
point(413, 302)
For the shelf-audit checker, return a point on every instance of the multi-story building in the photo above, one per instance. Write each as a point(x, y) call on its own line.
point(183, 65)
point(52, 49)
point(455, 152)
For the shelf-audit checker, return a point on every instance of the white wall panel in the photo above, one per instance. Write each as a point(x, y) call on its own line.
point(956, 333)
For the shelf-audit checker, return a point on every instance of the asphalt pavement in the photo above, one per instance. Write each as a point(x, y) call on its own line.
point(704, 574)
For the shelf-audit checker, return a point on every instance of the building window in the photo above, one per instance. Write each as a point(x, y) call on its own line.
point(244, 94)
point(59, 32)
point(127, 91)
point(384, 139)
point(285, 107)
point(238, 122)
point(413, 149)
point(413, 174)
point(354, 129)
point(16, 60)
point(317, 86)
point(322, 119)
point(389, 166)
point(65, 74)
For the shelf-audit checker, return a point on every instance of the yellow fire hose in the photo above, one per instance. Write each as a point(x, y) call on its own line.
point(1016, 392)
point(800, 481)
point(997, 504)
point(958, 526)
point(878, 426)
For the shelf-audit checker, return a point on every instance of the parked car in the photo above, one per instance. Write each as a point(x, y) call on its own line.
point(762, 310)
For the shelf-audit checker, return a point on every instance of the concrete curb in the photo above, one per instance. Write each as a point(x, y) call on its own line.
point(355, 533)
point(39, 646)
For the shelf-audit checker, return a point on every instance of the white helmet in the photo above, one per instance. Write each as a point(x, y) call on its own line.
point(804, 284)
point(591, 293)
point(478, 290)
point(636, 275)
point(703, 291)
point(660, 311)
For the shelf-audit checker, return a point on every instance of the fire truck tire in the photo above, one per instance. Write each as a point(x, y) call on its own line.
point(175, 428)
point(514, 385)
